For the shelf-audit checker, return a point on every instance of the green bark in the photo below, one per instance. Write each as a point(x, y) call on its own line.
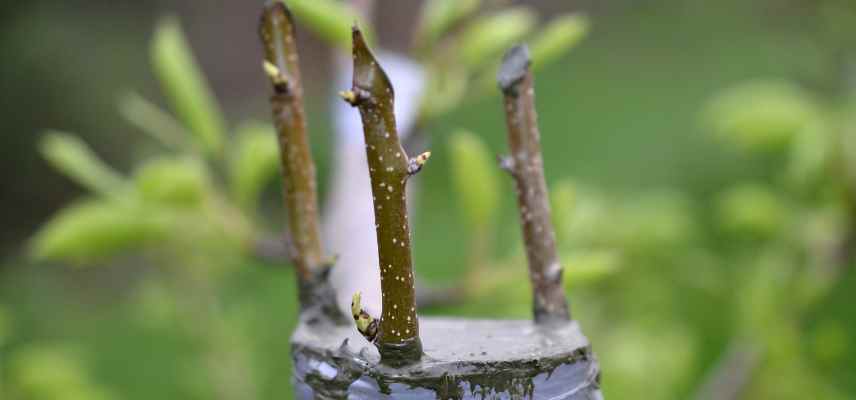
point(389, 168)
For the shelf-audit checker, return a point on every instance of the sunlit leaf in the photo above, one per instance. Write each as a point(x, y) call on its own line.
point(448, 88)
point(636, 349)
point(760, 115)
point(185, 86)
point(438, 16)
point(152, 120)
point(71, 156)
point(559, 36)
point(474, 174)
point(254, 163)
point(488, 36)
point(93, 230)
point(811, 153)
point(49, 371)
point(179, 182)
point(752, 210)
point(330, 20)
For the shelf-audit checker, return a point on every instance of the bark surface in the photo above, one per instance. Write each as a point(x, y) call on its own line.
point(526, 166)
point(276, 30)
point(397, 336)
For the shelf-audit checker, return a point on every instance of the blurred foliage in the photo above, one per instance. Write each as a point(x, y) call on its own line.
point(97, 229)
point(561, 34)
point(71, 155)
point(475, 177)
point(47, 371)
point(454, 30)
point(185, 87)
point(329, 19)
point(490, 35)
point(441, 15)
point(254, 164)
point(793, 235)
point(751, 245)
point(760, 115)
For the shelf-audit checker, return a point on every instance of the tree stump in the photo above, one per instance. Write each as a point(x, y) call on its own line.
point(464, 359)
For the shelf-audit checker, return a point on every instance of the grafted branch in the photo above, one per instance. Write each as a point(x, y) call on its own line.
point(397, 336)
point(526, 166)
point(276, 30)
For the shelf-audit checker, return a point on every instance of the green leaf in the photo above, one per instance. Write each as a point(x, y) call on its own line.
point(655, 221)
point(93, 230)
point(181, 182)
point(254, 163)
point(474, 174)
point(636, 349)
point(489, 35)
point(561, 35)
point(447, 88)
point(50, 371)
point(438, 16)
point(185, 86)
point(71, 156)
point(152, 120)
point(811, 156)
point(330, 20)
point(760, 115)
point(752, 210)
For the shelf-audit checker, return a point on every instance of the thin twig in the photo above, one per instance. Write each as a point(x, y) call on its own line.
point(389, 168)
point(298, 169)
point(526, 166)
point(273, 249)
point(733, 372)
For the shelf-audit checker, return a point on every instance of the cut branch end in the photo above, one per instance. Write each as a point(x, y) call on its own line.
point(515, 66)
